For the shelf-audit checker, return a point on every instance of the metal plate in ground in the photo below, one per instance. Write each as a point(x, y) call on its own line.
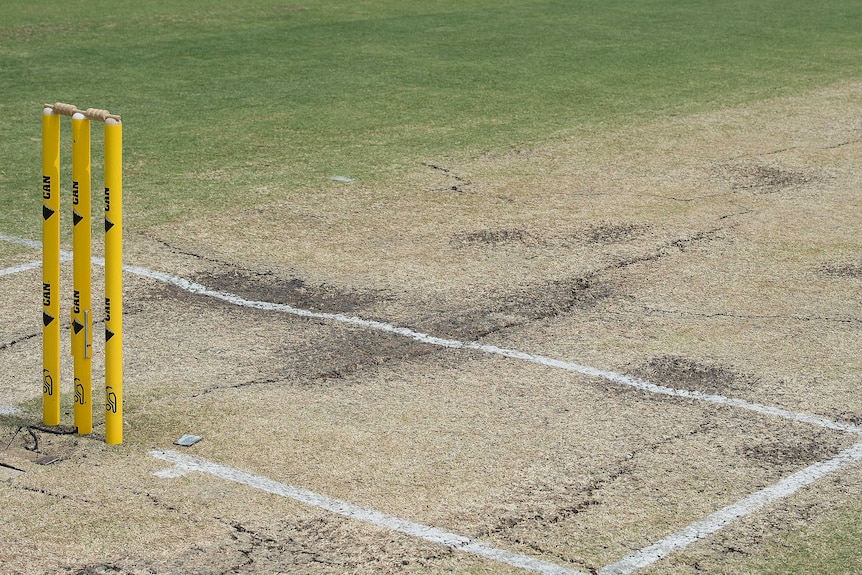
point(188, 440)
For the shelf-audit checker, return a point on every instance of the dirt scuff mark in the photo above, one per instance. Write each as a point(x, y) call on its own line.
point(787, 454)
point(764, 179)
point(604, 233)
point(329, 361)
point(607, 233)
point(296, 292)
point(851, 270)
point(498, 237)
point(684, 373)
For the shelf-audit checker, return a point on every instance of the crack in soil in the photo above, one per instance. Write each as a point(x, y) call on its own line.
point(329, 544)
point(155, 500)
point(175, 249)
point(732, 315)
point(128, 311)
point(60, 496)
point(21, 339)
point(460, 182)
point(556, 501)
point(842, 144)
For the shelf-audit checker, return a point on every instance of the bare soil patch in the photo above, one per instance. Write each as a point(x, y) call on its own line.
point(842, 270)
point(765, 179)
point(495, 237)
point(685, 373)
point(293, 291)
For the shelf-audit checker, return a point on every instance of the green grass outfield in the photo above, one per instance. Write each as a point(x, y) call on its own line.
point(228, 103)
point(233, 103)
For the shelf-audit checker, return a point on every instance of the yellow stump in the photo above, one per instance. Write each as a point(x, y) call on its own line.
point(82, 320)
point(113, 281)
point(50, 267)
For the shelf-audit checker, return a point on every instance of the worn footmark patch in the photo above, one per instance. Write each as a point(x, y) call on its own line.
point(805, 449)
point(764, 179)
point(686, 373)
point(484, 314)
point(608, 233)
point(850, 270)
point(329, 361)
point(604, 233)
point(293, 291)
point(496, 237)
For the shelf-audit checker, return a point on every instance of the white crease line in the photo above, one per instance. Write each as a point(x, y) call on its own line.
point(723, 517)
point(64, 257)
point(187, 463)
point(618, 378)
point(33, 244)
point(20, 268)
point(8, 409)
point(36, 245)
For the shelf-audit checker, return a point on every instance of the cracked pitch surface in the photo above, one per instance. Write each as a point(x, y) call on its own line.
point(716, 250)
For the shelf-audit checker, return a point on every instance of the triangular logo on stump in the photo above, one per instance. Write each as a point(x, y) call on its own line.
point(47, 212)
point(108, 335)
point(108, 224)
point(77, 326)
point(47, 319)
point(76, 218)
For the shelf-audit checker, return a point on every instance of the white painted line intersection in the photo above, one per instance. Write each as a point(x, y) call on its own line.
point(184, 464)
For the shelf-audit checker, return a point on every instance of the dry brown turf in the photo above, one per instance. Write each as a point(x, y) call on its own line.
point(720, 253)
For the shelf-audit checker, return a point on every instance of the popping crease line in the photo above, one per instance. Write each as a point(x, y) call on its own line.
point(196, 288)
point(20, 268)
point(36, 245)
point(64, 257)
point(186, 463)
point(619, 378)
